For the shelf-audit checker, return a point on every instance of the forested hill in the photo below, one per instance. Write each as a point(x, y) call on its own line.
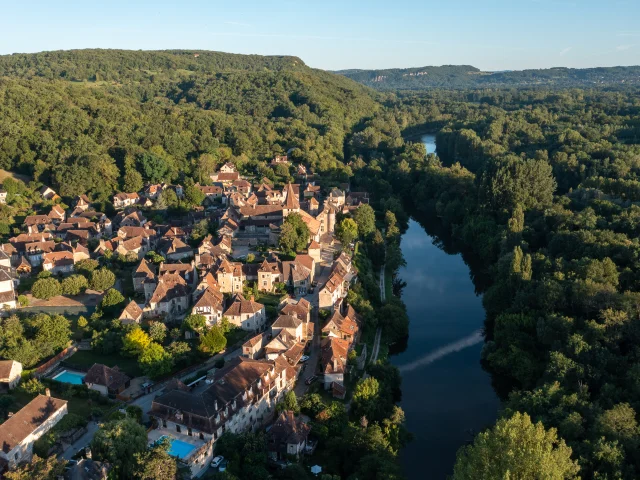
point(122, 65)
point(88, 121)
point(465, 76)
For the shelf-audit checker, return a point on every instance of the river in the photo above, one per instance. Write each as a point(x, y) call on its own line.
point(446, 395)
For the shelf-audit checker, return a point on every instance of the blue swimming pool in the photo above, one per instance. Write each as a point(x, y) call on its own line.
point(178, 448)
point(67, 376)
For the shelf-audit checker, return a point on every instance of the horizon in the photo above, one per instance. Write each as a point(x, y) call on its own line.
point(490, 35)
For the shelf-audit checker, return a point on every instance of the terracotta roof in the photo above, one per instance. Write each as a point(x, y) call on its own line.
point(314, 245)
point(30, 417)
point(132, 311)
point(133, 231)
point(175, 245)
point(112, 378)
point(210, 298)
point(143, 270)
point(58, 259)
point(240, 305)
point(286, 321)
point(36, 220)
point(228, 177)
point(169, 286)
point(56, 212)
point(288, 429)
point(291, 202)
point(254, 341)
point(312, 223)
point(257, 210)
point(5, 369)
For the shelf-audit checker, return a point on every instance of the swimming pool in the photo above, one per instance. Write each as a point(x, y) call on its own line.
point(67, 376)
point(178, 448)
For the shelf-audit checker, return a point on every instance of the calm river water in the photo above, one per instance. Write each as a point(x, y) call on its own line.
point(446, 395)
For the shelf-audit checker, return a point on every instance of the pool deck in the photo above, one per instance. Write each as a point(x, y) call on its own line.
point(154, 435)
point(197, 465)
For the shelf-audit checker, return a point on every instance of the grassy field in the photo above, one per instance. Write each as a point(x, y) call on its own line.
point(86, 358)
point(17, 176)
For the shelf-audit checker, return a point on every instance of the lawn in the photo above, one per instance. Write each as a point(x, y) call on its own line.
point(86, 358)
point(234, 336)
point(269, 299)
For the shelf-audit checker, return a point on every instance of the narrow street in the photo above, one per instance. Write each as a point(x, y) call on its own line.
point(314, 357)
point(83, 441)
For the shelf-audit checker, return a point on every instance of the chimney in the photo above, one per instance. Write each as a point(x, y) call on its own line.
point(47, 392)
point(9, 414)
point(253, 298)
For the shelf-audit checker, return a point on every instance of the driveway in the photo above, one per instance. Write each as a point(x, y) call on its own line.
point(83, 441)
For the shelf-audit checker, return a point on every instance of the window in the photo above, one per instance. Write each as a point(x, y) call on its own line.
point(189, 432)
point(164, 423)
point(178, 428)
point(201, 436)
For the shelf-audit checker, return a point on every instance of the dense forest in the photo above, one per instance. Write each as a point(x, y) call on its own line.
point(89, 121)
point(466, 76)
point(542, 187)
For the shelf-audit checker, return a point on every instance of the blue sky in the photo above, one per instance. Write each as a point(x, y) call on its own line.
point(331, 34)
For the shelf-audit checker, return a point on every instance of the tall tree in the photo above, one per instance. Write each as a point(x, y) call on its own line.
point(294, 234)
point(119, 442)
point(516, 448)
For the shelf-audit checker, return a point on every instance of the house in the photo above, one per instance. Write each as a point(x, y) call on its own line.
point(228, 168)
point(289, 324)
point(170, 297)
point(132, 313)
point(131, 218)
point(254, 347)
point(58, 262)
point(82, 203)
point(144, 273)
point(246, 314)
point(298, 273)
point(210, 305)
point(345, 328)
point(123, 200)
point(21, 430)
point(300, 309)
point(106, 380)
point(243, 394)
point(211, 191)
point(3, 195)
point(7, 285)
point(280, 160)
point(315, 251)
point(331, 294)
point(57, 214)
point(48, 193)
point(269, 273)
point(186, 270)
point(337, 197)
point(225, 178)
point(287, 436)
point(333, 360)
point(10, 374)
point(175, 249)
point(229, 275)
point(242, 186)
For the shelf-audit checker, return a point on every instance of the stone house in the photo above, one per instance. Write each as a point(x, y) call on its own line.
point(10, 374)
point(246, 314)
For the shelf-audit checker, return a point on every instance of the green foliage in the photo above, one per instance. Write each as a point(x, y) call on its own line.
point(516, 448)
point(74, 285)
point(85, 267)
point(101, 279)
point(156, 463)
point(213, 340)
point(155, 361)
point(119, 442)
point(46, 288)
point(346, 231)
point(366, 219)
point(193, 196)
point(157, 331)
point(195, 323)
point(135, 342)
point(37, 469)
point(289, 402)
point(111, 300)
point(294, 234)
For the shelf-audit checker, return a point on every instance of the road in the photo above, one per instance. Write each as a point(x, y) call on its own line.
point(314, 357)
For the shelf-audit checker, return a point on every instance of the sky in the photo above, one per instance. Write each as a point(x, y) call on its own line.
point(333, 35)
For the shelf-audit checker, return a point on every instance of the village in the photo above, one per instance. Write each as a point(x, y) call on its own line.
point(287, 325)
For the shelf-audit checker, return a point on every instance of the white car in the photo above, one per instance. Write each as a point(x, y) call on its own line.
point(304, 358)
point(215, 463)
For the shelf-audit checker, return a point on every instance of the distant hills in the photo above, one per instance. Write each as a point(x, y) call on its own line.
point(467, 76)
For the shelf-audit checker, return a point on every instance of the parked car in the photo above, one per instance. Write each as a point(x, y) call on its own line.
point(223, 466)
point(310, 380)
point(303, 359)
point(215, 463)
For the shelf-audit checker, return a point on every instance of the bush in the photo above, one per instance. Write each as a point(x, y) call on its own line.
point(23, 301)
point(32, 386)
point(46, 288)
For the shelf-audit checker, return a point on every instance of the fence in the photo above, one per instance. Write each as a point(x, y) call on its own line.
point(52, 362)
